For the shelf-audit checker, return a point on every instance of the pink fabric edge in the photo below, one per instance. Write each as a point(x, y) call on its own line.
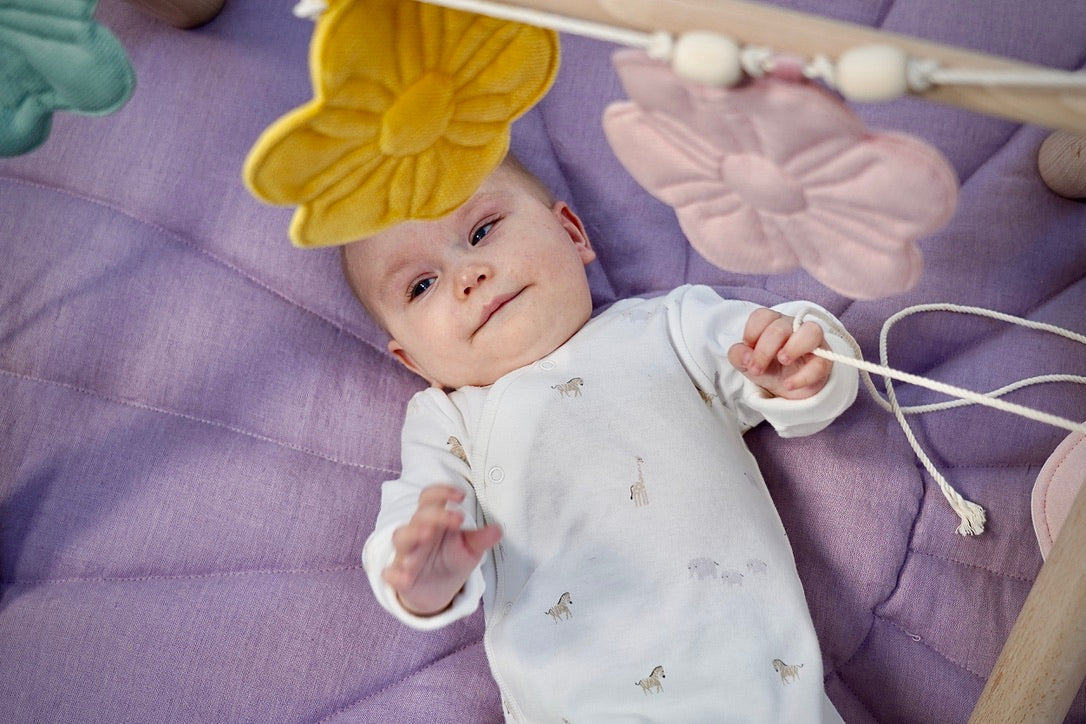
point(1057, 485)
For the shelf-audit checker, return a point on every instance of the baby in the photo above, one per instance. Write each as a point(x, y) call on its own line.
point(586, 477)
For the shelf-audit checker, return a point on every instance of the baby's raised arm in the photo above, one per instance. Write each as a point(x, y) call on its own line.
point(434, 555)
point(779, 360)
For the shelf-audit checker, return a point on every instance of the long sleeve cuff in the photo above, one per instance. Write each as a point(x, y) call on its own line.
point(378, 554)
point(796, 418)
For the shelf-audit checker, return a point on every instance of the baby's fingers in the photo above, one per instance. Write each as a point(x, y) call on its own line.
point(398, 577)
point(440, 496)
point(803, 341)
point(414, 542)
point(431, 520)
point(807, 378)
point(478, 542)
point(417, 543)
point(757, 323)
point(763, 337)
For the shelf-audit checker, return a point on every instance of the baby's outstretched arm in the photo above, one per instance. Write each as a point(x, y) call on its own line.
point(779, 360)
point(434, 555)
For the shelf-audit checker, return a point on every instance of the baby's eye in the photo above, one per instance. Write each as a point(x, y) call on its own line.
point(482, 231)
point(419, 288)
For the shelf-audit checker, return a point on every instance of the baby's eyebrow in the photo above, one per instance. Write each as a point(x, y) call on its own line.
point(389, 272)
point(471, 207)
point(392, 270)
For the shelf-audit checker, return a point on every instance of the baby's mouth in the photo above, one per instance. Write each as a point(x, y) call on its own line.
point(493, 307)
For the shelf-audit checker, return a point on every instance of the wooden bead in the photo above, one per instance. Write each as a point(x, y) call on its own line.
point(707, 58)
point(872, 73)
point(1062, 163)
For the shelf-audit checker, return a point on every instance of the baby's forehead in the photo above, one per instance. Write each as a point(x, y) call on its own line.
point(397, 246)
point(373, 258)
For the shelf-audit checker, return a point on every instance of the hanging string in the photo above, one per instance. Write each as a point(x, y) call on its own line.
point(656, 44)
point(904, 74)
point(972, 515)
point(922, 74)
point(925, 74)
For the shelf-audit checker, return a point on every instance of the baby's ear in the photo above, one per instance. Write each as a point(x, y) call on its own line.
point(404, 357)
point(575, 228)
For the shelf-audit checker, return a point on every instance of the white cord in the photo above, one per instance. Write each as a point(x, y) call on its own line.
point(972, 515)
point(924, 74)
point(656, 44)
point(310, 9)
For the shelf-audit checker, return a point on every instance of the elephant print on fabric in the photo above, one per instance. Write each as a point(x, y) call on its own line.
point(732, 577)
point(703, 567)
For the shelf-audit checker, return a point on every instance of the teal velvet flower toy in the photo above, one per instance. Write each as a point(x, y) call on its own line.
point(55, 57)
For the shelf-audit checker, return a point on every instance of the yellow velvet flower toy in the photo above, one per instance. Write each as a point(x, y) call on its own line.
point(412, 110)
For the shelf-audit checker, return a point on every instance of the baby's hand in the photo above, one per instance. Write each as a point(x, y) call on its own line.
point(779, 360)
point(434, 556)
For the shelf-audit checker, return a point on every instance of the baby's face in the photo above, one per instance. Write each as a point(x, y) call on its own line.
point(493, 286)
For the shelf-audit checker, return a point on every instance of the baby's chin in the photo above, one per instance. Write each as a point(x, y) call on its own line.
point(532, 342)
point(482, 377)
point(487, 373)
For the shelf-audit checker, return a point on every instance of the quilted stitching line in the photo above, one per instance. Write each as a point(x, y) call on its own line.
point(991, 466)
point(193, 418)
point(986, 569)
point(865, 644)
point(897, 583)
point(386, 687)
point(857, 699)
point(913, 637)
point(185, 241)
point(181, 576)
point(877, 618)
point(994, 154)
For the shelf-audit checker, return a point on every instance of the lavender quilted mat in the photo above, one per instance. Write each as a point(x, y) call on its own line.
point(195, 417)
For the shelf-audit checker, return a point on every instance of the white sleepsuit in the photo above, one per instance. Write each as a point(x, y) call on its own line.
point(643, 574)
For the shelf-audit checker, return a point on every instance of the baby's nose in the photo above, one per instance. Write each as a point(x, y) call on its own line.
point(471, 277)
